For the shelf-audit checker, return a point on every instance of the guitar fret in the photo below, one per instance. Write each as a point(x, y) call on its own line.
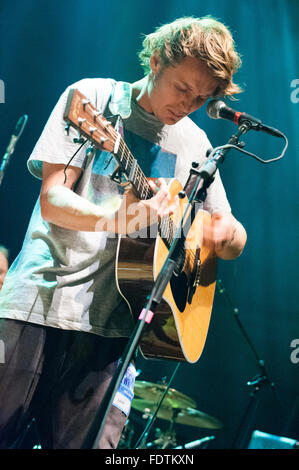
point(143, 193)
point(138, 182)
point(123, 152)
point(127, 159)
point(121, 156)
point(116, 144)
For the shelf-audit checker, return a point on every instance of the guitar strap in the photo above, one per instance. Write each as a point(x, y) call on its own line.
point(116, 102)
point(118, 105)
point(120, 100)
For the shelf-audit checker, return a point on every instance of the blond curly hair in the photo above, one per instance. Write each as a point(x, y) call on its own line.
point(204, 38)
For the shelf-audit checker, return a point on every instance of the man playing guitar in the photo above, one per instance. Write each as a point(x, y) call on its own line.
point(64, 322)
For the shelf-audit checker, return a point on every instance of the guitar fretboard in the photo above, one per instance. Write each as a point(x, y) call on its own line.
point(135, 175)
point(81, 114)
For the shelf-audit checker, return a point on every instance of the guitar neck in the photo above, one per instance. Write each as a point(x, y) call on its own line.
point(130, 167)
point(83, 116)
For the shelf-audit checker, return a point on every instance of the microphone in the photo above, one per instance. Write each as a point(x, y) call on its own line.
point(12, 143)
point(217, 109)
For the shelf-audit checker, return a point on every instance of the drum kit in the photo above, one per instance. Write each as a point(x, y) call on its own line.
point(175, 408)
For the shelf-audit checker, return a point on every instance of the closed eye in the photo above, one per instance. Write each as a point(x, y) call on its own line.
point(182, 90)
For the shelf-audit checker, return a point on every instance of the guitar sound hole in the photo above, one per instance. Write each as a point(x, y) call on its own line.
point(179, 289)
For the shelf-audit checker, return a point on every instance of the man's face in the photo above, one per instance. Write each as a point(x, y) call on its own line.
point(179, 90)
point(3, 268)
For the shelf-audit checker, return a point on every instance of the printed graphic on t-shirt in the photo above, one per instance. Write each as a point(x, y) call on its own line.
point(152, 159)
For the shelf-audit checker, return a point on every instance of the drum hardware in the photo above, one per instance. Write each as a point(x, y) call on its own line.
point(176, 408)
point(126, 438)
point(152, 392)
point(187, 416)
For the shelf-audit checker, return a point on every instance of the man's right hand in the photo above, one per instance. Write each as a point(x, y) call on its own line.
point(62, 207)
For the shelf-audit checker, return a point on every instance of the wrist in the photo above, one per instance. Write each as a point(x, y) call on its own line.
point(234, 247)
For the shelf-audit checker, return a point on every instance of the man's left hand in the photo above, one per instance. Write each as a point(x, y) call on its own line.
point(226, 236)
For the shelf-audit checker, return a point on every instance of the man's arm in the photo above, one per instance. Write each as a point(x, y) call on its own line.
point(62, 207)
point(226, 236)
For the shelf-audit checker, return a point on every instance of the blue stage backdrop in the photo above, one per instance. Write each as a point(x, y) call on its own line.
point(45, 46)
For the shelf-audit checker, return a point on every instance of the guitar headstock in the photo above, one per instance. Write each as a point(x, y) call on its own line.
point(83, 116)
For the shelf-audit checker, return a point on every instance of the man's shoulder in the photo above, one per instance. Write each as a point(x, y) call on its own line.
point(93, 85)
point(95, 89)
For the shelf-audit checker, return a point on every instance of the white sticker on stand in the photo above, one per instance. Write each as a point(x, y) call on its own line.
point(125, 394)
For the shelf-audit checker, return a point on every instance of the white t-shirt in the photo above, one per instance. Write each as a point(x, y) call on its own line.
point(64, 278)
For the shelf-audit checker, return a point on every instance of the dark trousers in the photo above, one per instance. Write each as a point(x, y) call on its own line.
point(58, 378)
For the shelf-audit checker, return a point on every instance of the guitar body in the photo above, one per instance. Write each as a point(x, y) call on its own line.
point(180, 325)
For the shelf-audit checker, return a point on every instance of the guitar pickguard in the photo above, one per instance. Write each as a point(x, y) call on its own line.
point(179, 289)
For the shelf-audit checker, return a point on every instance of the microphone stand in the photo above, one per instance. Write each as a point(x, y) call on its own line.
point(12, 143)
point(255, 384)
point(203, 178)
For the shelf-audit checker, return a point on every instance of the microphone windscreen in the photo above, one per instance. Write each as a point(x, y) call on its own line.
point(214, 107)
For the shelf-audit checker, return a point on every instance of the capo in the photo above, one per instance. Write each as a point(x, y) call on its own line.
point(116, 175)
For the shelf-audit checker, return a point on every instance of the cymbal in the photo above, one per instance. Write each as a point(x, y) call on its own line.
point(152, 393)
point(188, 416)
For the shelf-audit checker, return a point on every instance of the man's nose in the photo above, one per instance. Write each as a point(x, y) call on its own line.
point(187, 106)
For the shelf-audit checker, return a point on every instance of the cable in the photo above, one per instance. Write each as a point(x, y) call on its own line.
point(68, 163)
point(227, 146)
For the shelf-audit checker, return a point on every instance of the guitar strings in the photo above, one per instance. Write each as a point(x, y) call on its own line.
point(167, 226)
point(166, 223)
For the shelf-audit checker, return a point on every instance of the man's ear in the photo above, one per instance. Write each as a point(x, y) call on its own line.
point(155, 62)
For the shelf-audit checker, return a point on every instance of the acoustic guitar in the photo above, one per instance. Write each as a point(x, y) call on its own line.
point(179, 328)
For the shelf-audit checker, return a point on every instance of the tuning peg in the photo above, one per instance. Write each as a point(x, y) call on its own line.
point(85, 101)
point(92, 130)
point(67, 129)
point(95, 115)
point(81, 120)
